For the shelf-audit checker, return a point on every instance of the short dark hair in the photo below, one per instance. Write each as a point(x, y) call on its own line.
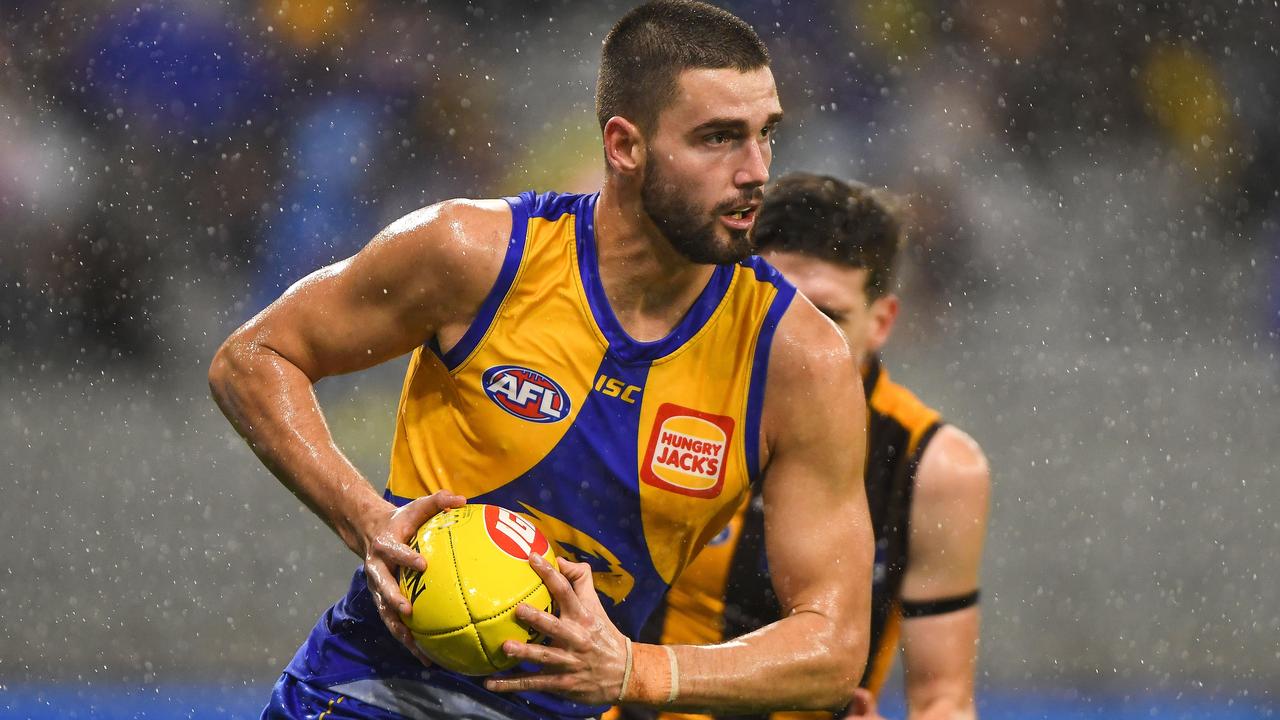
point(829, 219)
point(650, 46)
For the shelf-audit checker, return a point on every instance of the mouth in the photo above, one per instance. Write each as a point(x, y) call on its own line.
point(741, 217)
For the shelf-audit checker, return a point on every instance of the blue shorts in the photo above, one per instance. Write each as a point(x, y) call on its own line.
point(381, 699)
point(292, 699)
point(349, 653)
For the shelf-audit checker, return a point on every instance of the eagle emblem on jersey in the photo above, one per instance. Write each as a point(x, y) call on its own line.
point(607, 574)
point(525, 393)
point(687, 452)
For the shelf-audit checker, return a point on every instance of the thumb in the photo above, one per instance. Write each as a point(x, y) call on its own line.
point(578, 574)
point(580, 577)
point(424, 508)
point(574, 572)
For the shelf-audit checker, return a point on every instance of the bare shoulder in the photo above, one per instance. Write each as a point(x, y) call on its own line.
point(427, 272)
point(808, 348)
point(812, 387)
point(449, 253)
point(953, 472)
point(948, 523)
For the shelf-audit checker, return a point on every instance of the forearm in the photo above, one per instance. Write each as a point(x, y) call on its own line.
point(804, 661)
point(272, 404)
point(940, 655)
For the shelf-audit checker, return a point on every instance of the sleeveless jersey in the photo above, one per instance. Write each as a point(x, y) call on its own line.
point(628, 455)
point(727, 592)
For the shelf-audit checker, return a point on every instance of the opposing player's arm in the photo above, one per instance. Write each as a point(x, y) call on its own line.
point(817, 537)
point(947, 528)
point(425, 274)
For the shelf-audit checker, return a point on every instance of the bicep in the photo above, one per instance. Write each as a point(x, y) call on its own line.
point(948, 519)
point(387, 299)
point(947, 528)
point(817, 529)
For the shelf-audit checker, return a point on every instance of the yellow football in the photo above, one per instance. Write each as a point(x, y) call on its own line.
point(477, 573)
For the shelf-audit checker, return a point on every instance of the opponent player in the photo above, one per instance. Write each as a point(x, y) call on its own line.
point(927, 482)
point(616, 367)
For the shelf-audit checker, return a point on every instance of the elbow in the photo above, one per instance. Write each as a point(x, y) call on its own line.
point(845, 661)
point(219, 371)
point(229, 363)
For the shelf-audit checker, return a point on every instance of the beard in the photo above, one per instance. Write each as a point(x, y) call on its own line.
point(689, 229)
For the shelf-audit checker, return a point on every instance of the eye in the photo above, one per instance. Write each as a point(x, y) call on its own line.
point(719, 138)
point(768, 132)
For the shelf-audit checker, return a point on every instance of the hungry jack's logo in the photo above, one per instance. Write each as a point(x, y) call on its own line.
point(687, 451)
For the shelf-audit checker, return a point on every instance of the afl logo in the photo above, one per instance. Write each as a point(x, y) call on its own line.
point(527, 394)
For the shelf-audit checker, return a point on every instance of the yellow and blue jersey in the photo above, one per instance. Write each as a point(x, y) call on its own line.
point(628, 455)
point(727, 590)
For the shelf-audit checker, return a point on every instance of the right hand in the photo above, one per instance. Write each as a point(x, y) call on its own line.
point(863, 706)
point(385, 552)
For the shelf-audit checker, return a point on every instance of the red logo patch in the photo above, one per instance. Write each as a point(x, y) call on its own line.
point(688, 451)
point(513, 534)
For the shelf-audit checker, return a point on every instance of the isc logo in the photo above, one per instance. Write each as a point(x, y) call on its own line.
point(527, 394)
point(614, 387)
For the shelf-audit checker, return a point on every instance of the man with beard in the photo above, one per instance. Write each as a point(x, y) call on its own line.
point(927, 482)
point(616, 368)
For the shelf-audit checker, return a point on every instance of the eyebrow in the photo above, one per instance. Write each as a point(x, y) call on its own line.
point(734, 123)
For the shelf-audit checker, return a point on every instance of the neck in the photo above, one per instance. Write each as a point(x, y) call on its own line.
point(649, 284)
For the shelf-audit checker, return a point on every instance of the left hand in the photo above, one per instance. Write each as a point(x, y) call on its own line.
point(587, 655)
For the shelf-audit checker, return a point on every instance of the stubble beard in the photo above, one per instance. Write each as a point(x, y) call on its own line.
point(690, 230)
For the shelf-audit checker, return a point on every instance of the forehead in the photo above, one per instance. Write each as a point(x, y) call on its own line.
point(706, 94)
point(825, 283)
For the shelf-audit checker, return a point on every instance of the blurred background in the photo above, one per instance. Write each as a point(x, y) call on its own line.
point(1091, 289)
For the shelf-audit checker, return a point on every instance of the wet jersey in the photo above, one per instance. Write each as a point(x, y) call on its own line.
point(628, 455)
point(727, 592)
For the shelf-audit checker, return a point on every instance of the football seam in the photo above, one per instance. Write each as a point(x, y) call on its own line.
point(510, 609)
point(446, 631)
point(457, 580)
point(480, 642)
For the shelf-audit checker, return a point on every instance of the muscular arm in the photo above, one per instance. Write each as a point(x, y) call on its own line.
point(817, 534)
point(948, 525)
point(819, 544)
point(423, 275)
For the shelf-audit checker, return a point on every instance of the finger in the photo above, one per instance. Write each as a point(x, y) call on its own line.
point(402, 633)
point(561, 591)
point(866, 698)
point(384, 583)
point(863, 705)
point(399, 630)
point(541, 655)
point(410, 517)
point(574, 572)
point(530, 682)
point(547, 624)
point(398, 554)
point(579, 575)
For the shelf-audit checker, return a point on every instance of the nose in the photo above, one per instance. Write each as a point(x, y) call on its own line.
point(754, 171)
